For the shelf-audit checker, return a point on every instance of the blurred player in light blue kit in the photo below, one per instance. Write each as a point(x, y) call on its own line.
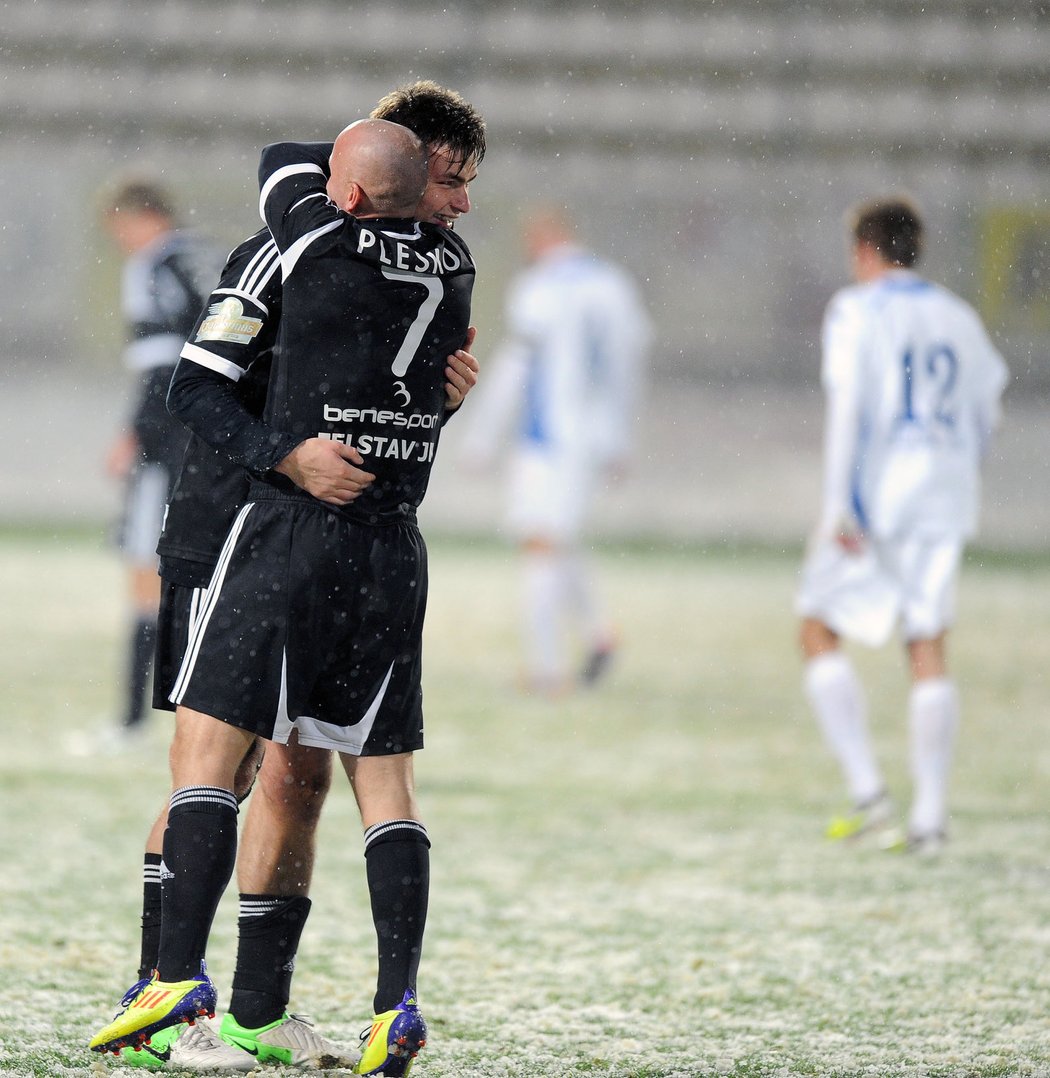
point(570, 369)
point(912, 385)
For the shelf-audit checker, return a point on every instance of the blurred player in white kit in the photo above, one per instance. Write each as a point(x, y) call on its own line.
point(570, 370)
point(912, 386)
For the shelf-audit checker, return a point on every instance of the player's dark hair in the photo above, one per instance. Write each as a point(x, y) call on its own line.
point(893, 227)
point(138, 195)
point(439, 116)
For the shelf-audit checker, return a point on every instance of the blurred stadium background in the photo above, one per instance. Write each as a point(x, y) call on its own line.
point(712, 147)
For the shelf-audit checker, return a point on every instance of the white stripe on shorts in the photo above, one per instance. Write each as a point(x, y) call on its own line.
point(200, 622)
point(196, 608)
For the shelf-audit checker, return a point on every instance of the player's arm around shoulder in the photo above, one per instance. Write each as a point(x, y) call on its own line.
point(293, 195)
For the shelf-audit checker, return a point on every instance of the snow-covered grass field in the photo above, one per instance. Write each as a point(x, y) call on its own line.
point(630, 882)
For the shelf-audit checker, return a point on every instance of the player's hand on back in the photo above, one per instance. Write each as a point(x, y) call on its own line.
point(328, 470)
point(461, 374)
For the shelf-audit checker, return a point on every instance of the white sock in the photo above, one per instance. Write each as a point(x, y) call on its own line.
point(933, 716)
point(582, 600)
point(543, 604)
point(837, 698)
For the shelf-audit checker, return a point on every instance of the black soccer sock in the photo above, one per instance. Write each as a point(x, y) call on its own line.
point(268, 933)
point(200, 847)
point(397, 855)
point(140, 662)
point(151, 905)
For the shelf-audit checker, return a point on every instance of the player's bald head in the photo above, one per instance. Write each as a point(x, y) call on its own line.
point(385, 160)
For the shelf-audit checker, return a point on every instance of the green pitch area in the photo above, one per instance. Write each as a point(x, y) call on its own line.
point(629, 882)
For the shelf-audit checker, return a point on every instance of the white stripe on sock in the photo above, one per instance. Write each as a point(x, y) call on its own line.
point(377, 830)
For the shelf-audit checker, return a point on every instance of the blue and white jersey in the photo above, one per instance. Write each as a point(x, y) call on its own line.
point(913, 386)
point(580, 331)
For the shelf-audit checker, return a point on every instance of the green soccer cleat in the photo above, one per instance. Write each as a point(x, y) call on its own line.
point(189, 1048)
point(158, 1005)
point(291, 1040)
point(393, 1041)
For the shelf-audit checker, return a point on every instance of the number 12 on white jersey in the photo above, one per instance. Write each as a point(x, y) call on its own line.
point(927, 387)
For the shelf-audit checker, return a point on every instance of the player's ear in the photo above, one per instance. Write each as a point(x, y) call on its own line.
point(353, 199)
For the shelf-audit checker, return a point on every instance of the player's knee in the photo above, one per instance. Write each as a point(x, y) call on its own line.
point(927, 658)
point(815, 638)
point(297, 781)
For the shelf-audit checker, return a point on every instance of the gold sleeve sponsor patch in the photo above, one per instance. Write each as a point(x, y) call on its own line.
point(226, 322)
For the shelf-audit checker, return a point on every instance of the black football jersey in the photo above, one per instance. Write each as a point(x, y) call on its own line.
point(240, 318)
point(370, 311)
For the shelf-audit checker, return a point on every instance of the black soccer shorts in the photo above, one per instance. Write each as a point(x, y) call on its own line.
point(179, 608)
point(313, 623)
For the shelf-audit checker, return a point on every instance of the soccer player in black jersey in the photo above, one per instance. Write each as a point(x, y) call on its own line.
point(276, 850)
point(165, 277)
point(333, 568)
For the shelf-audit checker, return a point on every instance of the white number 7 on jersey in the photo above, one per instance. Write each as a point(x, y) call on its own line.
point(424, 316)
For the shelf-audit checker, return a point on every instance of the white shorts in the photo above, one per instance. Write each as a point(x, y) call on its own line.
point(910, 582)
point(550, 494)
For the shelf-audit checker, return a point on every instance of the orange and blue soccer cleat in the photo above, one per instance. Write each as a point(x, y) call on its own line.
point(392, 1042)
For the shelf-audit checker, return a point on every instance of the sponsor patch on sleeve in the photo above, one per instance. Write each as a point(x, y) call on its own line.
point(226, 321)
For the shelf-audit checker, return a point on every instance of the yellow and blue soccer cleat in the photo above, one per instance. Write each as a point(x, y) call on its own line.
point(130, 995)
point(392, 1042)
point(158, 1005)
point(291, 1040)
